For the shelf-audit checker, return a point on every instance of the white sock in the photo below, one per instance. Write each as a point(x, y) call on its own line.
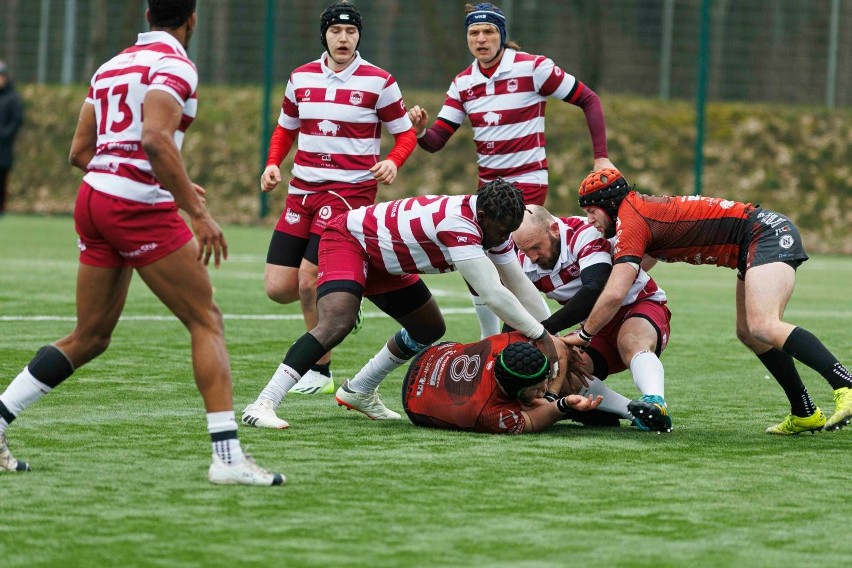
point(374, 372)
point(489, 323)
point(24, 391)
point(229, 449)
point(281, 382)
point(612, 401)
point(648, 373)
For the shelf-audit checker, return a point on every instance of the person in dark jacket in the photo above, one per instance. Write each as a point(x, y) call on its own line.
point(11, 118)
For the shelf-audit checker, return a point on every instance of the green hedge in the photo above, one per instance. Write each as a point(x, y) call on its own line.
point(793, 159)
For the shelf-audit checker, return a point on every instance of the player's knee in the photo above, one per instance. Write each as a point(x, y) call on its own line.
point(281, 293)
point(308, 293)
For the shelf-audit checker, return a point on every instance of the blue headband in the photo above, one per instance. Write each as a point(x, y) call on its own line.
point(488, 14)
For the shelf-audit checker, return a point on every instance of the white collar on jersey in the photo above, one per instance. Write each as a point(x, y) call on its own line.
point(343, 75)
point(504, 67)
point(161, 37)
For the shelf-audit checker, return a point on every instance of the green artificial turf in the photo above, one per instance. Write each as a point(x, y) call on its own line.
point(120, 451)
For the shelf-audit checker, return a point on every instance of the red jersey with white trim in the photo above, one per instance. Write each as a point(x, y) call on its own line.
point(692, 229)
point(339, 118)
point(506, 112)
point(581, 246)
point(120, 166)
point(423, 235)
point(452, 386)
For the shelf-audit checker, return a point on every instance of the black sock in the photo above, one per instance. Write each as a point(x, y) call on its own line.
point(322, 369)
point(50, 366)
point(804, 346)
point(305, 352)
point(783, 368)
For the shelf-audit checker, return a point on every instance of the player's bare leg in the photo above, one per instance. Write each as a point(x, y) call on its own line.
point(318, 379)
point(761, 300)
point(181, 282)
point(101, 293)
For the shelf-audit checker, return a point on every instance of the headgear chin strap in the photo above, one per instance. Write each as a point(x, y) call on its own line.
point(486, 13)
point(341, 13)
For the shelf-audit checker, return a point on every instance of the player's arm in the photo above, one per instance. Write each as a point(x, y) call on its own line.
point(434, 138)
point(585, 98)
point(163, 115)
point(580, 305)
point(541, 417)
point(385, 171)
point(513, 278)
point(648, 262)
point(622, 277)
point(279, 146)
point(85, 139)
point(482, 275)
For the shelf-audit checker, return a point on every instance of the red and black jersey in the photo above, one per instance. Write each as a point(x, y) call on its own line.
point(452, 386)
point(693, 229)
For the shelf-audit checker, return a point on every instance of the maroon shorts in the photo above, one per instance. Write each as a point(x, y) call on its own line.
point(605, 342)
point(310, 213)
point(116, 232)
point(341, 257)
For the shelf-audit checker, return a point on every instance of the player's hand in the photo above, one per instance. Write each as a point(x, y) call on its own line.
point(384, 172)
point(419, 118)
point(574, 340)
point(211, 240)
point(601, 163)
point(200, 191)
point(270, 179)
point(583, 403)
point(579, 364)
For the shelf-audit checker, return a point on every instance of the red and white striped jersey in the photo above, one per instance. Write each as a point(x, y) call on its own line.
point(582, 246)
point(120, 166)
point(506, 112)
point(339, 117)
point(423, 235)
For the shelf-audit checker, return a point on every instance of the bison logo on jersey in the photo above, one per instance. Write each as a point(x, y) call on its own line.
point(328, 127)
point(512, 85)
point(492, 118)
point(356, 97)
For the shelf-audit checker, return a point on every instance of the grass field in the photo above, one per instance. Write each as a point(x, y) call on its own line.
point(120, 451)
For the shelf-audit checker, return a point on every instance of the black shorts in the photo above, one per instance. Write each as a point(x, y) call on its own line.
point(773, 238)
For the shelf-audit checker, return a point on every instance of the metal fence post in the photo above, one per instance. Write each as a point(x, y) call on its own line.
point(268, 70)
point(666, 48)
point(701, 96)
point(833, 47)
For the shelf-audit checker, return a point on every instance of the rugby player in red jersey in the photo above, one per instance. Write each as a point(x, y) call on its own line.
point(763, 246)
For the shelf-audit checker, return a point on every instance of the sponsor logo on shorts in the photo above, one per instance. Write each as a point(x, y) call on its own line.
point(786, 241)
point(140, 251)
point(292, 217)
point(81, 245)
point(771, 219)
point(325, 212)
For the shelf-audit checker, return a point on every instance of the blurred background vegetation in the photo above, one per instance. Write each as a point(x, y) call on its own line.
point(778, 127)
